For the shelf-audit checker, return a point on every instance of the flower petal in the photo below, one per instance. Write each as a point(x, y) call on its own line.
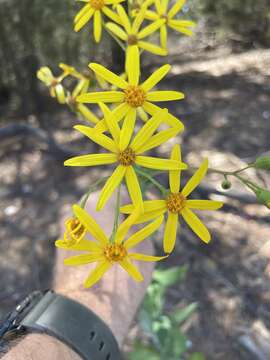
point(111, 184)
point(87, 114)
point(83, 245)
point(156, 77)
point(164, 95)
point(127, 129)
point(124, 227)
point(131, 269)
point(116, 30)
point(111, 122)
point(118, 113)
point(97, 273)
point(148, 129)
point(101, 96)
point(124, 18)
point(163, 36)
point(134, 188)
point(170, 232)
point(91, 160)
point(148, 205)
point(83, 259)
point(196, 225)
point(204, 204)
point(154, 49)
point(108, 75)
point(90, 224)
point(148, 30)
point(98, 138)
point(176, 8)
point(195, 179)
point(174, 175)
point(82, 20)
point(97, 26)
point(148, 258)
point(170, 120)
point(133, 64)
point(111, 14)
point(160, 164)
point(142, 234)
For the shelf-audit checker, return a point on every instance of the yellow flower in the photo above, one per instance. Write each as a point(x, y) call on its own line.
point(45, 75)
point(182, 26)
point(127, 153)
point(132, 35)
point(105, 252)
point(133, 96)
point(177, 204)
point(95, 8)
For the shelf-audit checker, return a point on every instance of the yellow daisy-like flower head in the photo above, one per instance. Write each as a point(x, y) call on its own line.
point(177, 204)
point(132, 35)
point(106, 253)
point(127, 153)
point(163, 12)
point(94, 8)
point(133, 96)
point(45, 75)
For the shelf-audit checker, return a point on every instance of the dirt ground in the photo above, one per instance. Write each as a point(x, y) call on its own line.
point(227, 118)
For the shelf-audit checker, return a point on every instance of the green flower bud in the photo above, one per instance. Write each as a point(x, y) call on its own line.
point(263, 196)
point(226, 185)
point(262, 162)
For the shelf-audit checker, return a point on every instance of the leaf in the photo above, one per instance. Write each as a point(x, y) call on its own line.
point(142, 352)
point(180, 315)
point(145, 321)
point(170, 276)
point(173, 343)
point(197, 356)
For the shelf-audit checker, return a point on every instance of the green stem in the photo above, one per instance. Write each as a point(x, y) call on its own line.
point(116, 214)
point(92, 189)
point(162, 189)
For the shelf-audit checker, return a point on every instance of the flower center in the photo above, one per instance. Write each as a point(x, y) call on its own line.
point(132, 40)
point(127, 157)
point(97, 4)
point(134, 96)
point(75, 231)
point(165, 16)
point(115, 252)
point(176, 202)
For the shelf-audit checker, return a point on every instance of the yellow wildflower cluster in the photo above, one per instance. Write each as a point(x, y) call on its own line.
point(125, 140)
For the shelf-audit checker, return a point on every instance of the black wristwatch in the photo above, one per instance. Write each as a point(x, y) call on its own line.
point(67, 320)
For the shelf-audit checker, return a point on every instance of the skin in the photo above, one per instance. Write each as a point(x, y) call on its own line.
point(115, 298)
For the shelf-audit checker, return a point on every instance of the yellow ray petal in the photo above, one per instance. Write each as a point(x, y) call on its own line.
point(170, 120)
point(195, 179)
point(158, 139)
point(148, 258)
point(133, 64)
point(111, 122)
point(159, 164)
point(119, 112)
point(196, 225)
point(124, 227)
point(163, 36)
point(157, 50)
point(164, 95)
point(97, 274)
point(111, 184)
point(181, 29)
point(117, 31)
point(83, 259)
point(138, 21)
point(90, 224)
point(151, 15)
point(142, 234)
point(81, 21)
point(108, 75)
point(82, 12)
point(91, 160)
point(111, 15)
point(101, 96)
point(124, 18)
point(147, 216)
point(131, 269)
point(83, 245)
point(134, 188)
point(148, 30)
point(174, 175)
point(156, 77)
point(176, 8)
point(97, 26)
point(87, 114)
point(60, 94)
point(98, 138)
point(148, 205)
point(148, 129)
point(204, 204)
point(170, 232)
point(127, 129)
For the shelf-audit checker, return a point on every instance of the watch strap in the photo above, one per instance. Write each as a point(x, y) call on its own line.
point(73, 324)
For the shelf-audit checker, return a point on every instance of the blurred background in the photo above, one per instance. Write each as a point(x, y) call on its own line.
point(224, 70)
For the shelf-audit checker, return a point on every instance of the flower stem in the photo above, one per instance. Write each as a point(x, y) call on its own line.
point(161, 188)
point(116, 213)
point(92, 189)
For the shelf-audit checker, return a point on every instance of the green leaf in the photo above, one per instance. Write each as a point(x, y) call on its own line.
point(142, 352)
point(197, 356)
point(173, 343)
point(180, 315)
point(170, 276)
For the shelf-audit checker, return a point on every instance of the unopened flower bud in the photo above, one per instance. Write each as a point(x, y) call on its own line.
point(262, 162)
point(263, 196)
point(226, 185)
